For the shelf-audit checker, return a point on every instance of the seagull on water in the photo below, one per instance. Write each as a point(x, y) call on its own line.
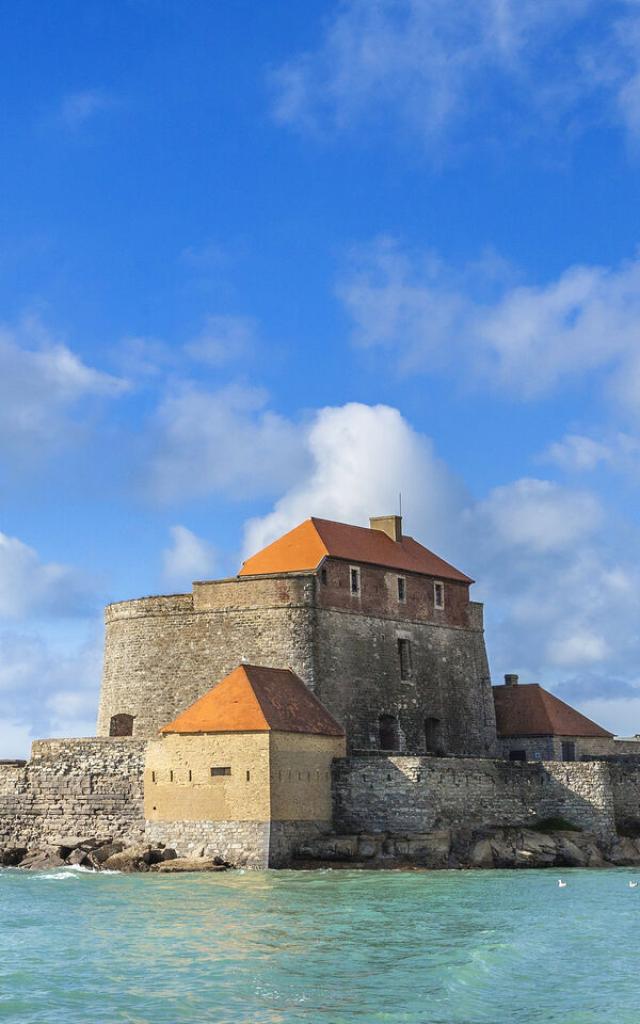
point(633, 885)
point(561, 884)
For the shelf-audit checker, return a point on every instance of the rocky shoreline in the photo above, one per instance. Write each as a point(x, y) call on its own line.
point(460, 849)
point(105, 854)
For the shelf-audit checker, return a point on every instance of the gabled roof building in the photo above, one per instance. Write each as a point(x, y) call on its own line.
point(376, 625)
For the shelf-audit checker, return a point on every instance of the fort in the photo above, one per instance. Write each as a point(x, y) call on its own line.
point(331, 700)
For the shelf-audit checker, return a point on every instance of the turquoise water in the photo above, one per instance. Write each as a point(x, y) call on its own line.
point(322, 947)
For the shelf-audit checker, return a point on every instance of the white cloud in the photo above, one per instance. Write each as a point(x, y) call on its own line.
point(222, 442)
point(42, 382)
point(503, 67)
point(525, 340)
point(78, 108)
point(359, 458)
point(189, 558)
point(223, 339)
point(29, 586)
point(562, 589)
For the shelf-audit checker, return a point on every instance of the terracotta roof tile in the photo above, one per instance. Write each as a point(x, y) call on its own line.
point(530, 710)
point(257, 699)
point(304, 547)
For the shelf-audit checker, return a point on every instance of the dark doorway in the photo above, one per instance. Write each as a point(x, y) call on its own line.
point(121, 725)
point(517, 755)
point(389, 732)
point(433, 736)
point(568, 750)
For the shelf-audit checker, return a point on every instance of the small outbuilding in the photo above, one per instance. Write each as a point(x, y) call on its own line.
point(245, 771)
point(534, 725)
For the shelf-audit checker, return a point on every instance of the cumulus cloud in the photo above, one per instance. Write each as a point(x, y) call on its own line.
point(188, 558)
point(359, 459)
point(42, 384)
point(525, 340)
point(50, 682)
point(577, 453)
point(504, 67)
point(562, 590)
point(29, 586)
point(225, 442)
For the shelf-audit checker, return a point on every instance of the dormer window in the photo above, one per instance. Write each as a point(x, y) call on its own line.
point(354, 580)
point(438, 595)
point(402, 589)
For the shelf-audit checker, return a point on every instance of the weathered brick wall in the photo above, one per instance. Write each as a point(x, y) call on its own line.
point(420, 794)
point(73, 788)
point(358, 679)
point(161, 654)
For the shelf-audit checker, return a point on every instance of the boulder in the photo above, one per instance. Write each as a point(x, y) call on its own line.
point(169, 854)
point(623, 852)
point(535, 849)
point(430, 849)
point(481, 854)
point(182, 864)
point(569, 855)
point(41, 860)
point(102, 853)
point(11, 856)
point(129, 859)
point(78, 856)
point(367, 847)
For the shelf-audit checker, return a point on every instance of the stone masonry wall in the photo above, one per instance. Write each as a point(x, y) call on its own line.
point(423, 794)
point(625, 780)
point(161, 654)
point(256, 844)
point(73, 788)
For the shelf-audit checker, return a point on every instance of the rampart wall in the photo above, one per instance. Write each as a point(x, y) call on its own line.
point(80, 788)
point(419, 794)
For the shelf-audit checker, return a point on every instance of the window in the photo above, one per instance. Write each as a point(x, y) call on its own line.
point(190, 776)
point(170, 776)
point(517, 755)
point(354, 577)
point(388, 732)
point(121, 725)
point(323, 576)
point(220, 771)
point(248, 776)
point(433, 736)
point(438, 595)
point(402, 589)
point(404, 657)
point(153, 776)
point(568, 750)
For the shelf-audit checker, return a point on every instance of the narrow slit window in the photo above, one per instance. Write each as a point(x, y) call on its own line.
point(248, 776)
point(153, 776)
point(402, 588)
point(170, 776)
point(323, 576)
point(404, 658)
point(190, 776)
point(438, 595)
point(215, 772)
point(354, 575)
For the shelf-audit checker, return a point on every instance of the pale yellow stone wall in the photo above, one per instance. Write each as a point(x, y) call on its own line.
point(301, 775)
point(244, 795)
point(274, 777)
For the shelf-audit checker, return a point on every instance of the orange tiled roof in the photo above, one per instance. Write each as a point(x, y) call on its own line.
point(530, 710)
point(304, 547)
point(257, 699)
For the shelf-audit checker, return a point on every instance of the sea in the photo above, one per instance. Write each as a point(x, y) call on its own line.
point(320, 947)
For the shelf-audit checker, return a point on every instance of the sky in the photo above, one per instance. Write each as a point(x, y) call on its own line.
point(265, 261)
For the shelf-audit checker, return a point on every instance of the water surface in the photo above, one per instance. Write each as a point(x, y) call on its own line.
point(321, 947)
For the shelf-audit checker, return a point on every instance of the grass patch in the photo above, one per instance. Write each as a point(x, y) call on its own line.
point(555, 825)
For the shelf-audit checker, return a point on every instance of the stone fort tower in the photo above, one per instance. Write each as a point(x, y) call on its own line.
point(377, 626)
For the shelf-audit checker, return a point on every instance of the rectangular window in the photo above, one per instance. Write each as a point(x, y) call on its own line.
point(404, 657)
point(190, 776)
point(220, 771)
point(402, 589)
point(170, 776)
point(517, 755)
point(248, 776)
point(354, 576)
point(438, 595)
point(323, 576)
point(153, 776)
point(568, 750)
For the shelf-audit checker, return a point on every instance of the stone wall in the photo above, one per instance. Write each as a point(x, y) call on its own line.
point(161, 654)
point(423, 794)
point(625, 780)
point(255, 844)
point(73, 788)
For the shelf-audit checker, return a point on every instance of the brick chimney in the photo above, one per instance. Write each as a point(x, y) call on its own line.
point(391, 525)
point(511, 680)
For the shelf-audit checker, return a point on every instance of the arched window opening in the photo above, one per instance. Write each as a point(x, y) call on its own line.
point(121, 725)
point(389, 732)
point(433, 736)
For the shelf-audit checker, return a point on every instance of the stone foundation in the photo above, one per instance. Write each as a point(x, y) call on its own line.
point(255, 844)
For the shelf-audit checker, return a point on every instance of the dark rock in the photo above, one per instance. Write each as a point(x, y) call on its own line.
point(41, 860)
point(11, 857)
point(102, 853)
point(183, 864)
point(169, 854)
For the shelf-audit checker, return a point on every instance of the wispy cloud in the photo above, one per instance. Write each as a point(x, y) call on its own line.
point(524, 339)
point(504, 67)
point(78, 108)
point(188, 558)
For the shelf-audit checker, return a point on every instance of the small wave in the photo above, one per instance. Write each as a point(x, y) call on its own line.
point(60, 876)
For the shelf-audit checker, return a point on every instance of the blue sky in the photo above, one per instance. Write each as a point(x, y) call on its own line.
point(265, 261)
